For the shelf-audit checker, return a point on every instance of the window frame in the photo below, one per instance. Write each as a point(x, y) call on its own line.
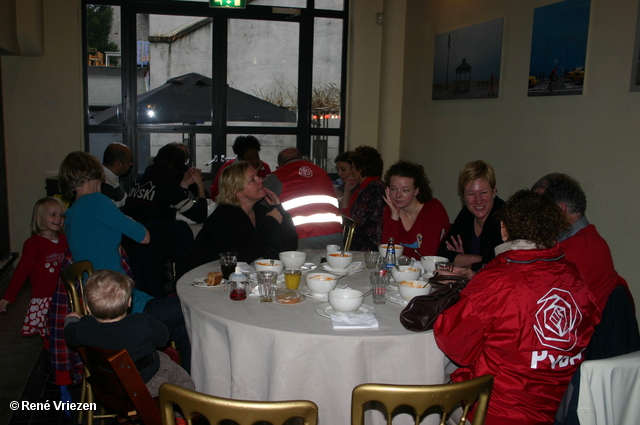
point(304, 130)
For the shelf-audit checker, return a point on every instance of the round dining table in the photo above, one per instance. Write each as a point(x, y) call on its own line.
point(250, 350)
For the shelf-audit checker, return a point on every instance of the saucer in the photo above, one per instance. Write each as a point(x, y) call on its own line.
point(353, 268)
point(325, 310)
point(308, 267)
point(394, 296)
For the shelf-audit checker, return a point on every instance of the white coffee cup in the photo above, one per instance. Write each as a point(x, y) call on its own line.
point(332, 248)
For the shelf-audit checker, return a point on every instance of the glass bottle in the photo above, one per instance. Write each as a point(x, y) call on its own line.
point(390, 258)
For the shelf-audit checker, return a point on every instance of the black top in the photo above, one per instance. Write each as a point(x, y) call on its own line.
point(229, 229)
point(464, 226)
point(138, 333)
point(156, 196)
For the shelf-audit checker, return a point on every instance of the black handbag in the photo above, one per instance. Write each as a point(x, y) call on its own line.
point(422, 311)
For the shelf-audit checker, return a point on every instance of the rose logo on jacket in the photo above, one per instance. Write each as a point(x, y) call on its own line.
point(305, 171)
point(557, 320)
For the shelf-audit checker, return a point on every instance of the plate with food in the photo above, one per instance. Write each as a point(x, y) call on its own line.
point(289, 296)
point(213, 280)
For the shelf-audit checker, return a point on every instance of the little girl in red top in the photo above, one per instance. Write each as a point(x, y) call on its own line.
point(42, 256)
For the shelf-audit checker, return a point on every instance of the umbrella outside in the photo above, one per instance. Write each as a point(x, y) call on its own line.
point(187, 99)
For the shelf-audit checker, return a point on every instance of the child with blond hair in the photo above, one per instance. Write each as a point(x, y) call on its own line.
point(41, 259)
point(107, 297)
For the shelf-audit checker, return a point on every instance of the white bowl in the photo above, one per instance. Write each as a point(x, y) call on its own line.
point(429, 262)
point(293, 259)
point(406, 273)
point(345, 300)
point(411, 288)
point(382, 249)
point(338, 260)
point(262, 265)
point(321, 283)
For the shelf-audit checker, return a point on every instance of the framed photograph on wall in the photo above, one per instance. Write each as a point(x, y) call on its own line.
point(559, 48)
point(467, 61)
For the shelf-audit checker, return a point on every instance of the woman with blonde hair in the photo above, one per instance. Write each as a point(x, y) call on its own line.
point(241, 223)
point(475, 232)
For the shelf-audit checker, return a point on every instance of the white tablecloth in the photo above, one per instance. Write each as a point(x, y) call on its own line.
point(257, 351)
point(610, 390)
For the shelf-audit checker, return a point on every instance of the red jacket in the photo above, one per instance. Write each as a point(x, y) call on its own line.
point(525, 318)
point(591, 253)
point(308, 195)
point(41, 262)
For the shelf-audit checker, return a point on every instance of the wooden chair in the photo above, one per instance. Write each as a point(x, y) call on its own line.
point(348, 230)
point(118, 386)
point(424, 397)
point(243, 412)
point(72, 278)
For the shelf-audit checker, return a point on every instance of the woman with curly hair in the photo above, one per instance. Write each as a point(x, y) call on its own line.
point(366, 205)
point(525, 318)
point(413, 217)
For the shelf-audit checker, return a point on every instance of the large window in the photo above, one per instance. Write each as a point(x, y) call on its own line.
point(179, 71)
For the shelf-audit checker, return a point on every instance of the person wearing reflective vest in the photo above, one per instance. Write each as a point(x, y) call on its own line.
point(306, 192)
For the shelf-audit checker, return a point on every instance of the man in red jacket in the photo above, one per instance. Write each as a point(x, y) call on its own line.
point(581, 242)
point(525, 318)
point(307, 193)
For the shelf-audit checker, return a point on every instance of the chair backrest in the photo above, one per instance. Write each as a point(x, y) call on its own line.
point(348, 230)
point(117, 384)
point(217, 409)
point(72, 277)
point(423, 397)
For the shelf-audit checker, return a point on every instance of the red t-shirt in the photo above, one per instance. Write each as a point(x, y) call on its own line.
point(431, 225)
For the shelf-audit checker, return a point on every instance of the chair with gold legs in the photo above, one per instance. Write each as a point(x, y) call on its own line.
point(424, 397)
point(72, 278)
point(243, 412)
point(348, 230)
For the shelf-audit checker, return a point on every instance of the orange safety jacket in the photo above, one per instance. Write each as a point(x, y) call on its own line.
point(308, 195)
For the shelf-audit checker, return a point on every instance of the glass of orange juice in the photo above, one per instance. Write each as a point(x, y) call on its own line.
point(292, 278)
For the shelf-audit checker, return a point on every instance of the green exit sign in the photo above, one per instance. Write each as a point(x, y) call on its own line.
point(235, 4)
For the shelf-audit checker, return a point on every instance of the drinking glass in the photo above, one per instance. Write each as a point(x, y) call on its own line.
point(378, 287)
point(444, 266)
point(371, 259)
point(292, 278)
point(228, 262)
point(266, 286)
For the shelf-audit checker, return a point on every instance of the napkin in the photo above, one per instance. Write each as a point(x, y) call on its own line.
point(354, 321)
point(353, 267)
point(245, 268)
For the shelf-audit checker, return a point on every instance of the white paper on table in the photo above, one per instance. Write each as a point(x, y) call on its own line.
point(354, 321)
point(245, 268)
